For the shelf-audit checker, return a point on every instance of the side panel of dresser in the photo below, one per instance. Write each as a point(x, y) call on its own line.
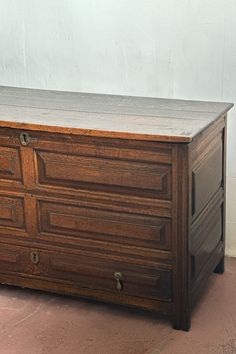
point(198, 235)
point(207, 217)
point(181, 315)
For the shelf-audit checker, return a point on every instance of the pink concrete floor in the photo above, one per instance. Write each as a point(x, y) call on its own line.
point(32, 322)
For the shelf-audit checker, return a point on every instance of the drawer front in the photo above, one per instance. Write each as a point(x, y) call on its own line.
point(206, 234)
point(12, 212)
point(15, 260)
point(97, 274)
point(137, 178)
point(113, 166)
point(10, 164)
point(72, 165)
point(110, 276)
point(64, 221)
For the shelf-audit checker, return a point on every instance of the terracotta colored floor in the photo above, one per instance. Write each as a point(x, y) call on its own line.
point(32, 322)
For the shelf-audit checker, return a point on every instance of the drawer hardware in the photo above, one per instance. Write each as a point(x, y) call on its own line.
point(34, 257)
point(24, 138)
point(119, 281)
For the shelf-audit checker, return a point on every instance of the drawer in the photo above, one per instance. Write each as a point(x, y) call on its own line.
point(12, 212)
point(153, 283)
point(63, 221)
point(15, 259)
point(117, 167)
point(92, 273)
point(10, 164)
point(206, 235)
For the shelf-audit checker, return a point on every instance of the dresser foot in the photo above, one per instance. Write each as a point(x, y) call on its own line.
point(183, 324)
point(220, 268)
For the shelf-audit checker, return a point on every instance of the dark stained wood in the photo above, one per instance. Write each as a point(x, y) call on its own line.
point(210, 265)
point(181, 315)
point(65, 220)
point(60, 287)
point(118, 199)
point(125, 177)
point(220, 268)
point(91, 273)
point(207, 230)
point(206, 234)
point(207, 177)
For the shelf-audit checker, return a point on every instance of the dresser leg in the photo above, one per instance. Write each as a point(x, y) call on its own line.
point(220, 268)
point(182, 322)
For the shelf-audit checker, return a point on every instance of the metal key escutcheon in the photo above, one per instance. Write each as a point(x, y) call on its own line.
point(119, 281)
point(34, 257)
point(24, 138)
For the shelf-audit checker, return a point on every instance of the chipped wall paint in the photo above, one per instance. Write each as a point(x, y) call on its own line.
point(166, 48)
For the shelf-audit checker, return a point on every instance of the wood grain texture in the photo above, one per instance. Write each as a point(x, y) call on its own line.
point(181, 315)
point(91, 273)
point(119, 199)
point(64, 220)
point(107, 115)
point(10, 165)
point(12, 212)
point(207, 178)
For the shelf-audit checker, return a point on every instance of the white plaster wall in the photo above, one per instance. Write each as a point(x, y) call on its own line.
point(166, 48)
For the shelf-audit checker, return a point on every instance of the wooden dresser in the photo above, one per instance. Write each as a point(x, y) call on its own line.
point(113, 198)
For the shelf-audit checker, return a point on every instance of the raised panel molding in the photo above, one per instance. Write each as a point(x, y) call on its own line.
point(7, 163)
point(63, 220)
point(12, 212)
point(154, 283)
point(138, 178)
point(72, 222)
point(10, 167)
point(8, 211)
point(207, 179)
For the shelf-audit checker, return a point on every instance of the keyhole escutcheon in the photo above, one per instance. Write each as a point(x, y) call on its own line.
point(119, 281)
point(34, 257)
point(24, 138)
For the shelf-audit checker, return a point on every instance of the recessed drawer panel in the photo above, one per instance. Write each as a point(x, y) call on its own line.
point(206, 234)
point(64, 221)
point(139, 178)
point(92, 273)
point(10, 165)
point(116, 277)
point(12, 212)
point(15, 259)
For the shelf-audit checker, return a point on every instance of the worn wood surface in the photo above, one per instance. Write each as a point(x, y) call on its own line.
point(107, 115)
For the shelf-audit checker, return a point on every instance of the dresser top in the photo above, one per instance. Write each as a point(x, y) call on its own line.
point(89, 114)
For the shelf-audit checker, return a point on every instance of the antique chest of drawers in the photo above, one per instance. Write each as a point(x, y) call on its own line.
point(113, 198)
